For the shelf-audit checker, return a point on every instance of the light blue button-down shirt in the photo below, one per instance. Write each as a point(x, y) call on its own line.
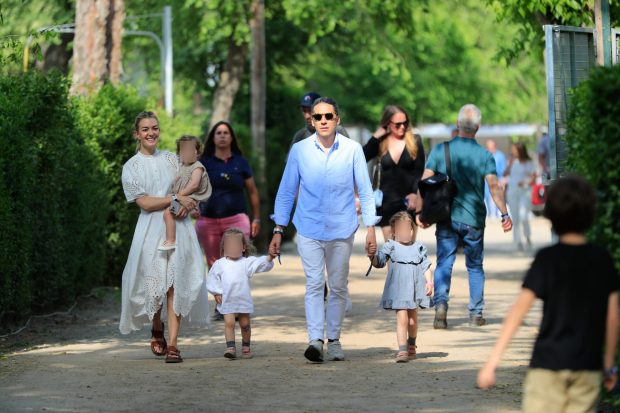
point(326, 182)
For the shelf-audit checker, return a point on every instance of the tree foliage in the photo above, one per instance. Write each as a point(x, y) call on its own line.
point(531, 15)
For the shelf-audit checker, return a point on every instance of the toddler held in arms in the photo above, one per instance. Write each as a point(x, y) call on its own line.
point(191, 180)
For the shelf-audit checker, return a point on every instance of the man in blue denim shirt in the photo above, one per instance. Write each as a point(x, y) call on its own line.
point(325, 169)
point(471, 166)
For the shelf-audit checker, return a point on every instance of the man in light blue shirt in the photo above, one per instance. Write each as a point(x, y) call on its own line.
point(322, 172)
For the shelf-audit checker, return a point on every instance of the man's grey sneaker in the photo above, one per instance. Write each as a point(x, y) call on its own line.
point(477, 320)
point(334, 351)
point(441, 317)
point(314, 352)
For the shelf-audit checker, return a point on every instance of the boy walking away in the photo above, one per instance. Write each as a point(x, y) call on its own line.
point(579, 285)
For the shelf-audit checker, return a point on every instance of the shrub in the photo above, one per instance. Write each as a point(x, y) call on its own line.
point(593, 139)
point(51, 242)
point(106, 119)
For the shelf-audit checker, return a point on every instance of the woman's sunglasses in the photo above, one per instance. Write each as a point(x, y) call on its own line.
point(399, 124)
point(319, 116)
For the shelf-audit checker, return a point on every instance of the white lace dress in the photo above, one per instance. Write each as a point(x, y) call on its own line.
point(149, 273)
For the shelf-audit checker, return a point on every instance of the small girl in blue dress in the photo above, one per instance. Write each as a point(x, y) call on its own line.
point(409, 283)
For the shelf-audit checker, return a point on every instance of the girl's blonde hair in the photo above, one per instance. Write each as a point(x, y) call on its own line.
point(249, 248)
point(410, 139)
point(403, 216)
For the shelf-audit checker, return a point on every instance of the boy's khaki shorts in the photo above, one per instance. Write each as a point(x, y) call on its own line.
point(565, 391)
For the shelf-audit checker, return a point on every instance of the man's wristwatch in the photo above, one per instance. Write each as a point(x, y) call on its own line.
point(611, 371)
point(505, 216)
point(278, 230)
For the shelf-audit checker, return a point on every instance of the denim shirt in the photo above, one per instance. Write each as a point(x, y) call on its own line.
point(326, 185)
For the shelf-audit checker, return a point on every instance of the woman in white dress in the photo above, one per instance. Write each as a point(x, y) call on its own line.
point(151, 277)
point(521, 175)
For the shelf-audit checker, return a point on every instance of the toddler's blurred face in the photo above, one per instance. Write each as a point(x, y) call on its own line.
point(188, 152)
point(233, 246)
point(404, 232)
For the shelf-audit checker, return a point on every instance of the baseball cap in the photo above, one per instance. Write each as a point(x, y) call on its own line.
point(308, 99)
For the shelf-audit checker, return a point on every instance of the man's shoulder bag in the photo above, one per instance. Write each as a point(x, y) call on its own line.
point(437, 192)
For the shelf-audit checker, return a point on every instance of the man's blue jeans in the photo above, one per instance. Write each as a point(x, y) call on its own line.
point(448, 235)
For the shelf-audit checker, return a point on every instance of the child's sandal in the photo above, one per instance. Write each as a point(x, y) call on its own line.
point(173, 355)
point(158, 339)
point(412, 352)
point(167, 246)
point(402, 357)
point(246, 353)
point(231, 353)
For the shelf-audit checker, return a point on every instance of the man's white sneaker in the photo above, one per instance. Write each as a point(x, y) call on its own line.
point(314, 352)
point(334, 351)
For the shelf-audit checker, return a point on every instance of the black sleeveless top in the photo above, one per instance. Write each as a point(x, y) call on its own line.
point(397, 179)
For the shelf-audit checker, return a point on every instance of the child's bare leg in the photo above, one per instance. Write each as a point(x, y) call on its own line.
point(401, 335)
point(246, 335)
point(229, 334)
point(246, 329)
point(401, 327)
point(412, 329)
point(413, 323)
point(171, 231)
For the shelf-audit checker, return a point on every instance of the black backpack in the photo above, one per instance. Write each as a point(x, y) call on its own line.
point(438, 191)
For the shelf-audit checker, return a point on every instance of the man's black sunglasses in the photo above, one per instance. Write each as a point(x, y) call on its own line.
point(319, 116)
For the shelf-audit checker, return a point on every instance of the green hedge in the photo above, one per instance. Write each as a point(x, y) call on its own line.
point(106, 122)
point(593, 139)
point(66, 226)
point(51, 238)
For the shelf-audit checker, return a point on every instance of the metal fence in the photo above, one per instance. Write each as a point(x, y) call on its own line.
point(570, 54)
point(615, 42)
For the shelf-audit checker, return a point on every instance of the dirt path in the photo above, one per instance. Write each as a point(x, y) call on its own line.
point(85, 365)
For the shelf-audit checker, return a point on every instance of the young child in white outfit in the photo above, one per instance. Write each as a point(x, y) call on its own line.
point(191, 180)
point(229, 282)
point(409, 283)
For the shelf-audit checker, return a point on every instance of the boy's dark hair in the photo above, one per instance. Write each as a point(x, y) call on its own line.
point(188, 138)
point(570, 205)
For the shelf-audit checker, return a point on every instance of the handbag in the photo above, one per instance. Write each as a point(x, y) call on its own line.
point(438, 191)
point(376, 180)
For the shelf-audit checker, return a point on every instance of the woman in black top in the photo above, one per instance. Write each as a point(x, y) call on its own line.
point(400, 157)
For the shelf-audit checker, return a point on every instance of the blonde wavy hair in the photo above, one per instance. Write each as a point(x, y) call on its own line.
point(403, 216)
point(410, 140)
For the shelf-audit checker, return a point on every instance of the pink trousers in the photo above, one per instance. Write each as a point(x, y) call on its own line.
point(210, 231)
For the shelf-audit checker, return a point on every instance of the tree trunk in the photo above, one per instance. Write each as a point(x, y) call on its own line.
point(258, 90)
point(229, 82)
point(97, 44)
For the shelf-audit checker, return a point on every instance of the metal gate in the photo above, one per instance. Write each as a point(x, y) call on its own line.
point(570, 54)
point(615, 42)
